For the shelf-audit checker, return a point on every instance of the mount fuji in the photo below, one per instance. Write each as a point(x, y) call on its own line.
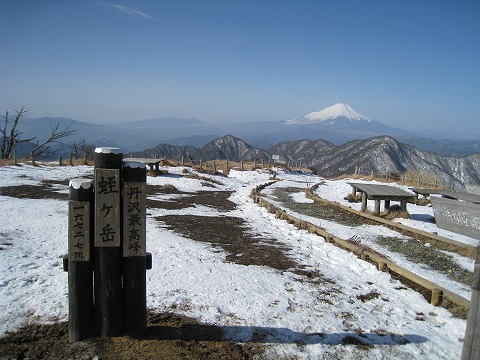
point(330, 115)
point(338, 124)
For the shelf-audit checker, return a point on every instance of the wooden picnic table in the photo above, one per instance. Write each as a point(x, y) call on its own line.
point(380, 192)
point(425, 192)
point(153, 164)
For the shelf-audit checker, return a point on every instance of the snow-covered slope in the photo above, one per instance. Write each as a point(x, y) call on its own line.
point(330, 113)
point(292, 315)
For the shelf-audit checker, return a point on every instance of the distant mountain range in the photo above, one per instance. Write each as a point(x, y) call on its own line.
point(337, 124)
point(335, 140)
point(380, 155)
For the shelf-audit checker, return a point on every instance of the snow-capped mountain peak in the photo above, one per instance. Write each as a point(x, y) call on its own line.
point(330, 113)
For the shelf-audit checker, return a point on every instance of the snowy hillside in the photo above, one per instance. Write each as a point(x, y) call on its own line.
point(322, 306)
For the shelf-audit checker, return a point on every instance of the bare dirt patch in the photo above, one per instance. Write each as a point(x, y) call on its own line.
point(47, 190)
point(214, 199)
point(233, 235)
point(168, 336)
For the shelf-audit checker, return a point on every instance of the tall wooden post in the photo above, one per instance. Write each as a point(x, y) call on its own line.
point(80, 270)
point(108, 241)
point(134, 247)
point(471, 344)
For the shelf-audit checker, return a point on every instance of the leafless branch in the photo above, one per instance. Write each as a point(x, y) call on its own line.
point(42, 150)
point(11, 137)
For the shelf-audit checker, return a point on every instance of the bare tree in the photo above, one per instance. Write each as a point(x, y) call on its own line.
point(82, 148)
point(87, 149)
point(43, 150)
point(75, 147)
point(10, 133)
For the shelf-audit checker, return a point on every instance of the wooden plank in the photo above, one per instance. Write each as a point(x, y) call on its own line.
point(144, 160)
point(79, 230)
point(426, 192)
point(107, 208)
point(382, 190)
point(134, 223)
point(457, 216)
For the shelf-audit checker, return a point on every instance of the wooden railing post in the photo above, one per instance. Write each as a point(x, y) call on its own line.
point(134, 247)
point(471, 343)
point(79, 265)
point(108, 241)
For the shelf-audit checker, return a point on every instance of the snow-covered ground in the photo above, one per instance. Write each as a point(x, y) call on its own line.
point(337, 190)
point(292, 316)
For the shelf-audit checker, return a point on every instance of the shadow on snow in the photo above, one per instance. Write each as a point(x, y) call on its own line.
point(266, 335)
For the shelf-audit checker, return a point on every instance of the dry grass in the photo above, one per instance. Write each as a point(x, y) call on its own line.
point(353, 199)
point(423, 179)
point(6, 162)
point(409, 178)
point(395, 212)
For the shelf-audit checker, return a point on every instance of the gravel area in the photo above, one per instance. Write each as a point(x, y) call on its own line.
point(331, 213)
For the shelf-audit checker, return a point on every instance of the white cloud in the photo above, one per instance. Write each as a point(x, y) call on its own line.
point(130, 11)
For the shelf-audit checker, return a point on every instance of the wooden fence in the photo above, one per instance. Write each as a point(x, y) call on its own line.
point(438, 294)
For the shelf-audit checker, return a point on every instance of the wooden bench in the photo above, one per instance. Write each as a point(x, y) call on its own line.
point(153, 164)
point(378, 193)
point(426, 192)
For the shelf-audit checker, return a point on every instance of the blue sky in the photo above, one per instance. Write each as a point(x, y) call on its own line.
point(412, 64)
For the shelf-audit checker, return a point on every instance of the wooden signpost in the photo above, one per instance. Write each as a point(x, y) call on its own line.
point(79, 264)
point(107, 256)
point(107, 250)
point(134, 247)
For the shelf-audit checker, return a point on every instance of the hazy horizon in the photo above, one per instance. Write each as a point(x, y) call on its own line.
point(410, 65)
